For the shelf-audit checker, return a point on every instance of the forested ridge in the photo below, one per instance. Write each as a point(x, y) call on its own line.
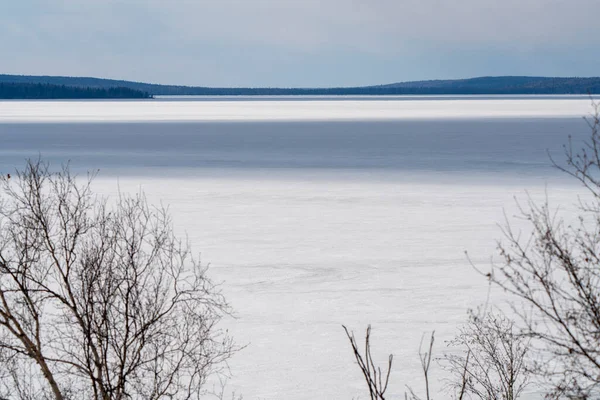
point(22, 90)
point(507, 85)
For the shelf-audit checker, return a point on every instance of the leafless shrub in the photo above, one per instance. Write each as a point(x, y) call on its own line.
point(99, 300)
point(491, 363)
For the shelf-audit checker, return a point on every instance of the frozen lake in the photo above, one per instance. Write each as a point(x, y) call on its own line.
point(321, 212)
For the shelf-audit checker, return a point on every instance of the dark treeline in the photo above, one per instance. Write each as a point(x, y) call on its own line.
point(507, 85)
point(49, 91)
point(503, 85)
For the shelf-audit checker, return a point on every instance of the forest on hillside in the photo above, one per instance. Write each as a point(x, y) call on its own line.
point(501, 85)
point(49, 91)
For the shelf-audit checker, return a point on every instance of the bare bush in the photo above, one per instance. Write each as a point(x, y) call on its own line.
point(99, 300)
point(491, 362)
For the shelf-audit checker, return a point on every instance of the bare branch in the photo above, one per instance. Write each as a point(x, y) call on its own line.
point(372, 375)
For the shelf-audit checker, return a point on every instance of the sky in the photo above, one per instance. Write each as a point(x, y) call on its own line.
point(298, 43)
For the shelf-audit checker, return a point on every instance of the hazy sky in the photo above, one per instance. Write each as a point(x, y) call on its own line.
point(299, 42)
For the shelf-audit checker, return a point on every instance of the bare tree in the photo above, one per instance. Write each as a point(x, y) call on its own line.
point(555, 272)
point(99, 300)
point(490, 363)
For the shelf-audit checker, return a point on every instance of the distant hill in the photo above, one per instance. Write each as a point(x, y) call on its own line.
point(503, 85)
point(484, 85)
point(27, 90)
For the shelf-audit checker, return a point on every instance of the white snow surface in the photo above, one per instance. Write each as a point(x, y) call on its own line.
point(299, 258)
point(325, 109)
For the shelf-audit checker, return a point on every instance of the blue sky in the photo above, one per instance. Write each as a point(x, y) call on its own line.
point(298, 43)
